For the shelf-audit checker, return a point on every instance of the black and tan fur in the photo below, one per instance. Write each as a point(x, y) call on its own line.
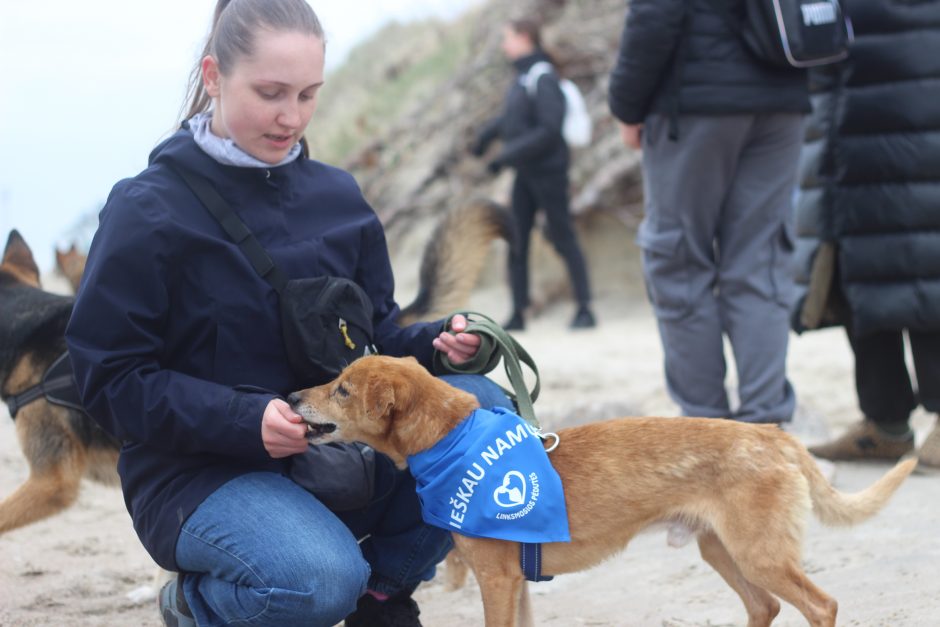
point(61, 445)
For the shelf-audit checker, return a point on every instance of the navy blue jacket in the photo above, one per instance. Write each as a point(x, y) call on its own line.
point(176, 341)
point(684, 57)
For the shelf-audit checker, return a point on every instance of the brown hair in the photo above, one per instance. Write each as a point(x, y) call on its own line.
point(530, 28)
point(233, 35)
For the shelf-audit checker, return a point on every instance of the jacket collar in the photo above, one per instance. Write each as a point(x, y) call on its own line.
point(524, 64)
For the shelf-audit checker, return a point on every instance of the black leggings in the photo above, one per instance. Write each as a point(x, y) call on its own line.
point(886, 394)
point(549, 192)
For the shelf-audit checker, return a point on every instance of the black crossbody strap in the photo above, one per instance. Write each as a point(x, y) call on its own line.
point(233, 226)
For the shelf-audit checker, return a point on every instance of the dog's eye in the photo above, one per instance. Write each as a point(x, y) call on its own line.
point(341, 390)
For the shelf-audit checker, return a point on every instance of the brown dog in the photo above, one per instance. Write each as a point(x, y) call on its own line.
point(743, 489)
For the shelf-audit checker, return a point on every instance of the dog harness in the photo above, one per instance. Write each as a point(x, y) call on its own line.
point(491, 478)
point(57, 386)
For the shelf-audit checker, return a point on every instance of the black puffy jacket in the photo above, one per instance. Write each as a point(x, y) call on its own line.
point(683, 56)
point(868, 218)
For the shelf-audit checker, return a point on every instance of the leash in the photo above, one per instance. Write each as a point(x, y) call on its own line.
point(496, 344)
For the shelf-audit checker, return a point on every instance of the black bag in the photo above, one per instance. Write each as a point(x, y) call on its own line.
point(340, 474)
point(326, 323)
point(793, 33)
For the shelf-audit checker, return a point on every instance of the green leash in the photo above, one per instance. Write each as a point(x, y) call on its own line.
point(496, 345)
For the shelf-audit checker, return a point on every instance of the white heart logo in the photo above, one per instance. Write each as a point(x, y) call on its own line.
point(512, 492)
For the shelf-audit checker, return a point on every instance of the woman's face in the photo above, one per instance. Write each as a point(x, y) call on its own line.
point(266, 100)
point(516, 45)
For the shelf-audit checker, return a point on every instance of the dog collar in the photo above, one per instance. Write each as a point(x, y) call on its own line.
point(490, 477)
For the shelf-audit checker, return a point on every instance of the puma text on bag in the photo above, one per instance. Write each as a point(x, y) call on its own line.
point(795, 33)
point(576, 128)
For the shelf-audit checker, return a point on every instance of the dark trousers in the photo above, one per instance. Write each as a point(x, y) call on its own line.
point(886, 394)
point(549, 192)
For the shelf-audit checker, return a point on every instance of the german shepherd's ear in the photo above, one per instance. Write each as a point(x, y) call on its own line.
point(19, 258)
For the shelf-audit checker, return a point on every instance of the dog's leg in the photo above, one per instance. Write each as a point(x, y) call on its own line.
point(495, 564)
point(761, 606)
point(768, 556)
point(455, 575)
point(56, 466)
point(787, 580)
point(40, 496)
point(525, 618)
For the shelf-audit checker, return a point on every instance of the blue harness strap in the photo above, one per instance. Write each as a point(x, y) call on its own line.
point(530, 558)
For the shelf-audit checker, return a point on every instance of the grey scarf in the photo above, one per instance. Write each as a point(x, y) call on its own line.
point(225, 151)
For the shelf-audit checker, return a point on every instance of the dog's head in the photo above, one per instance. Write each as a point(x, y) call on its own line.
point(32, 321)
point(391, 403)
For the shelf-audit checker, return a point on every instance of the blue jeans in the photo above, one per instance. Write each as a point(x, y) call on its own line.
point(261, 550)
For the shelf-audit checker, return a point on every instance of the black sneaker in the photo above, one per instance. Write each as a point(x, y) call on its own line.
point(173, 607)
point(515, 323)
point(584, 319)
point(398, 611)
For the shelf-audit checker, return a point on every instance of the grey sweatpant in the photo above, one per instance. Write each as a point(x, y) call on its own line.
point(717, 249)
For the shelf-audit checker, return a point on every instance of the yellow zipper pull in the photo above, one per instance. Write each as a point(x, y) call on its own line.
point(344, 330)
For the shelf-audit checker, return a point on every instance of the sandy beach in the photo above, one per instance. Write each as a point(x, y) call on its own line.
point(77, 568)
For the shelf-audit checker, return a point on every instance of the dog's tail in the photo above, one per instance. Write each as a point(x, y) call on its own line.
point(838, 509)
point(454, 257)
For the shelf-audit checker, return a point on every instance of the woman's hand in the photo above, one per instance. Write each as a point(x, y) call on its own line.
point(632, 135)
point(282, 430)
point(458, 346)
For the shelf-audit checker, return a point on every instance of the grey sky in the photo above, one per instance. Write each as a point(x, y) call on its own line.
point(88, 88)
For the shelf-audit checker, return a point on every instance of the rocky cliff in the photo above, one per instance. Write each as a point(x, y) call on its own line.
point(403, 109)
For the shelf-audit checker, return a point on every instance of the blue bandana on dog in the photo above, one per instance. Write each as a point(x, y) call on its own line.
point(490, 477)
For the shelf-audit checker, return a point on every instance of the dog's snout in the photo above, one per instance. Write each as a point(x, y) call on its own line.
point(294, 399)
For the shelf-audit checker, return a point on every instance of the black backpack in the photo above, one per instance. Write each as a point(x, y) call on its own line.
point(793, 33)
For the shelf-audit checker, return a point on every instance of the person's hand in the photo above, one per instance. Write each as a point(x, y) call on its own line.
point(457, 345)
point(632, 135)
point(282, 430)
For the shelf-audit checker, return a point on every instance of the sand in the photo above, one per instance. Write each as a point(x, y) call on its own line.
point(77, 568)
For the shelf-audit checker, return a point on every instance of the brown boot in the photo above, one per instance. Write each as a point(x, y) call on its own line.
point(929, 454)
point(865, 441)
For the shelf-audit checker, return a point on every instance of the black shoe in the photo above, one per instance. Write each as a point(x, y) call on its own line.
point(173, 607)
point(584, 319)
point(516, 323)
point(397, 611)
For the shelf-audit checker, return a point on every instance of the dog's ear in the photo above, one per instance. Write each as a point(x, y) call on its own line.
point(381, 399)
point(18, 255)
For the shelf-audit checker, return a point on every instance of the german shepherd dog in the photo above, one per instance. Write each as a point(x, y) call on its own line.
point(62, 444)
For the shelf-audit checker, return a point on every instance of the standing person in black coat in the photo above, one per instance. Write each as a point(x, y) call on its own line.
point(869, 221)
point(720, 133)
point(530, 128)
